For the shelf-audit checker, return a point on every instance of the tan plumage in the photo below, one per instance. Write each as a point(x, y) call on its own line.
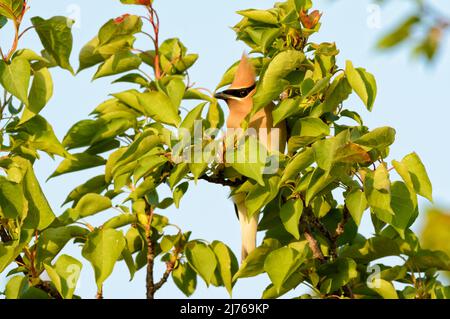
point(239, 108)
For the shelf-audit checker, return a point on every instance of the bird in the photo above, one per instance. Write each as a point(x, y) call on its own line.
point(239, 98)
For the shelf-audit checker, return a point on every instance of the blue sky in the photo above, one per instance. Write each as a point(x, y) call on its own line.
point(412, 97)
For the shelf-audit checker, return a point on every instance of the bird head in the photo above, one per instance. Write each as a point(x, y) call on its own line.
point(243, 85)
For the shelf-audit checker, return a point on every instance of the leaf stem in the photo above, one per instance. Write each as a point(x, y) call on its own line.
point(154, 20)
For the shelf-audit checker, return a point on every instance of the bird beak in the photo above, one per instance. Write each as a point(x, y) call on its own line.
point(221, 96)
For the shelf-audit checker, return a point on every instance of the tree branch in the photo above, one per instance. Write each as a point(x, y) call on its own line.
point(165, 276)
point(341, 226)
point(221, 180)
point(314, 245)
point(150, 254)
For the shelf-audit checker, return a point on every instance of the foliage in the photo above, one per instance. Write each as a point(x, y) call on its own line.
point(26, 218)
point(423, 29)
point(436, 231)
point(335, 170)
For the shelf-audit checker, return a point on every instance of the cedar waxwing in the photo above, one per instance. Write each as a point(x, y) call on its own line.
point(239, 98)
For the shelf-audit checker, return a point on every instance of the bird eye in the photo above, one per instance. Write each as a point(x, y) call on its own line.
point(242, 93)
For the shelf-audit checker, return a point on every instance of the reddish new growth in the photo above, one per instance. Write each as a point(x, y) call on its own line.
point(120, 19)
point(309, 21)
point(144, 2)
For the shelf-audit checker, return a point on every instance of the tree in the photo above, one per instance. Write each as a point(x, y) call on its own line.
point(335, 170)
point(25, 213)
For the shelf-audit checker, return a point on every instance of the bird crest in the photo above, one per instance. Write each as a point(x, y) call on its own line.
point(245, 76)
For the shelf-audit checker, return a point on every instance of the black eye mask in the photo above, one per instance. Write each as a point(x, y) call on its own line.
point(240, 93)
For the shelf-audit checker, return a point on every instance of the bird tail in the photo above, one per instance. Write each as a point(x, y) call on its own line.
point(249, 226)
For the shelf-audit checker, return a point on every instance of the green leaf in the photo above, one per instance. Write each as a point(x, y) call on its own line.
point(399, 34)
point(259, 196)
point(40, 213)
point(10, 250)
point(227, 264)
point(372, 249)
point(11, 9)
point(177, 174)
point(263, 16)
point(12, 200)
point(379, 201)
point(16, 287)
point(40, 93)
point(158, 106)
point(130, 98)
point(145, 143)
point(337, 274)
point(215, 115)
point(185, 278)
point(133, 78)
point(94, 185)
point(202, 259)
point(179, 192)
point(148, 164)
point(15, 78)
point(318, 181)
point(363, 83)
point(418, 175)
point(42, 137)
point(78, 162)
point(404, 205)
point(286, 108)
point(102, 249)
point(89, 56)
point(118, 63)
point(381, 180)
point(248, 159)
point(307, 130)
point(253, 265)
point(317, 87)
point(300, 162)
point(131, 265)
point(273, 82)
point(435, 234)
point(29, 55)
point(64, 275)
point(384, 288)
point(280, 264)
point(56, 37)
point(352, 153)
point(175, 90)
point(91, 204)
point(113, 128)
point(194, 115)
point(329, 151)
point(3, 21)
point(271, 292)
point(379, 138)
point(52, 240)
point(81, 134)
point(338, 92)
point(427, 259)
point(356, 203)
point(290, 214)
point(124, 25)
point(120, 221)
